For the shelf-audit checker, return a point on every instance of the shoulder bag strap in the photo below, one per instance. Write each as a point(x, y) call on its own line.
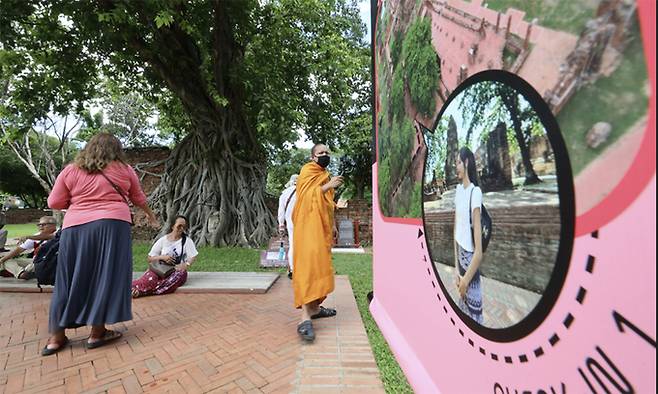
point(470, 215)
point(116, 188)
point(288, 202)
point(182, 250)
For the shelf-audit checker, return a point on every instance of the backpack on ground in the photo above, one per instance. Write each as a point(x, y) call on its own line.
point(485, 221)
point(45, 261)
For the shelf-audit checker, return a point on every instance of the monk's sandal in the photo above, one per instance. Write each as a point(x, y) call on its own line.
point(324, 312)
point(305, 330)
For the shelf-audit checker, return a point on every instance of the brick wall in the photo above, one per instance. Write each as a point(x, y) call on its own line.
point(147, 162)
point(361, 210)
point(522, 249)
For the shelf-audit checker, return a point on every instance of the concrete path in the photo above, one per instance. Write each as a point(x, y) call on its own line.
point(503, 305)
point(197, 282)
point(193, 343)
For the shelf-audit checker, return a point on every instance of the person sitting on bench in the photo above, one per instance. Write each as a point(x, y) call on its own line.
point(175, 248)
point(23, 268)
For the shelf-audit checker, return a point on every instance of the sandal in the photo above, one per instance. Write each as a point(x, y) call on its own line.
point(108, 336)
point(46, 351)
point(305, 330)
point(324, 312)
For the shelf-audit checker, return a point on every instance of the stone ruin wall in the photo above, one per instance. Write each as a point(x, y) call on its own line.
point(523, 246)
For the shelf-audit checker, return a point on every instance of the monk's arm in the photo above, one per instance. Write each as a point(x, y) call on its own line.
point(332, 184)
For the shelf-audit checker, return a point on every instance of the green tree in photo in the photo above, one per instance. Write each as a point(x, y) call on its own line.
point(421, 67)
point(487, 103)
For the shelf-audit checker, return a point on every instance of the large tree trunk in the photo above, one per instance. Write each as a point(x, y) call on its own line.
point(221, 195)
point(216, 175)
point(512, 104)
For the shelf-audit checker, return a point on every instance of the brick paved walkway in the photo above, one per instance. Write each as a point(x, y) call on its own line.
point(194, 343)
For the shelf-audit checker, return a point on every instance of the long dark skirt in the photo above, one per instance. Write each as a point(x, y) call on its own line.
point(94, 273)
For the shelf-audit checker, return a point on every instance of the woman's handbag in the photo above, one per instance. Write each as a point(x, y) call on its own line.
point(162, 268)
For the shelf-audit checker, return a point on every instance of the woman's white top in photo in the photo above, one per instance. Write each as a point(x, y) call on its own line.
point(163, 246)
point(463, 230)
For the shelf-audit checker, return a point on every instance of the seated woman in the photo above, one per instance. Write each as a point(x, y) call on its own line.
point(169, 248)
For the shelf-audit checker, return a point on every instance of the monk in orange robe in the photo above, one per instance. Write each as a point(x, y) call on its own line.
point(313, 218)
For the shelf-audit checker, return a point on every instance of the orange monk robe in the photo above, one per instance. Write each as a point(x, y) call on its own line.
point(313, 218)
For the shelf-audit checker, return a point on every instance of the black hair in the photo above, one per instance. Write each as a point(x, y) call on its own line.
point(466, 156)
point(187, 222)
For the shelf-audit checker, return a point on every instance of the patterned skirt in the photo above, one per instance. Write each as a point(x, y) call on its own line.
point(471, 303)
point(151, 284)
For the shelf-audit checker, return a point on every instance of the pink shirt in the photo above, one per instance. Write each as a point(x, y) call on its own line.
point(88, 197)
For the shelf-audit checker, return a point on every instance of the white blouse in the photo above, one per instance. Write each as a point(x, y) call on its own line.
point(463, 230)
point(163, 246)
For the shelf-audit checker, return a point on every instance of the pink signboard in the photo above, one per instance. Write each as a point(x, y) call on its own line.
point(544, 117)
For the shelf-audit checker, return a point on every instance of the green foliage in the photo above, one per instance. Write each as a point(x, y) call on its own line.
point(620, 99)
point(421, 66)
point(488, 103)
point(416, 72)
point(303, 68)
point(437, 148)
point(384, 185)
point(356, 160)
point(20, 230)
point(397, 94)
point(16, 180)
point(46, 67)
point(564, 15)
point(128, 114)
point(279, 66)
point(396, 48)
point(283, 166)
point(209, 260)
point(416, 202)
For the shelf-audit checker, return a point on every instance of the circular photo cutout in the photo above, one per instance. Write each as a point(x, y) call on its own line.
point(498, 204)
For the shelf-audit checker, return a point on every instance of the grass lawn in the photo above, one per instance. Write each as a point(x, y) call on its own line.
point(21, 230)
point(563, 15)
point(621, 100)
point(357, 267)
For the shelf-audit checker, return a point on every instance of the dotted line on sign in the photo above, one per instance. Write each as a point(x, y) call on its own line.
point(539, 351)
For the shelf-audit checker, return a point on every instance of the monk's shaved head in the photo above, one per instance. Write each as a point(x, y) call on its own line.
point(318, 147)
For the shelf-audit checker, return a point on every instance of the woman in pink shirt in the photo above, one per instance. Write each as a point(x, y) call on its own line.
point(94, 265)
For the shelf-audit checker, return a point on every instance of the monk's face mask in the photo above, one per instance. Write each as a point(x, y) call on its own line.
point(323, 161)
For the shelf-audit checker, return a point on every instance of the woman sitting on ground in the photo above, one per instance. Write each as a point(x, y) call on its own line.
point(174, 248)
